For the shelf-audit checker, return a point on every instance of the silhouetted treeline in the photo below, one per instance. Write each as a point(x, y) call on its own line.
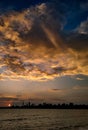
point(49, 106)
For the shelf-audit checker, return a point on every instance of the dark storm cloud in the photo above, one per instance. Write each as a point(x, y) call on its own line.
point(55, 89)
point(33, 44)
point(78, 41)
point(1, 22)
point(2, 99)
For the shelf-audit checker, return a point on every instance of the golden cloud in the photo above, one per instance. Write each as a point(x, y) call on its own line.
point(32, 50)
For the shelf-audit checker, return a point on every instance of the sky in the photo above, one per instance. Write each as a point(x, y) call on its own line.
point(43, 51)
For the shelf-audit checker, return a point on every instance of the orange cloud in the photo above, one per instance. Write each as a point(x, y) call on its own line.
point(31, 50)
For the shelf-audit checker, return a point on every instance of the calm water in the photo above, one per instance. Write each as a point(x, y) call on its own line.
point(43, 119)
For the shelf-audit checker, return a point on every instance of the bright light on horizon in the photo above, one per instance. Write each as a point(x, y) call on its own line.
point(9, 105)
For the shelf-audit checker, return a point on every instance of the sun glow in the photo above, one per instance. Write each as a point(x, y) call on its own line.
point(9, 105)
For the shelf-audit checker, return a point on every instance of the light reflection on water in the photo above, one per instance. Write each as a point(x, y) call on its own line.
point(43, 119)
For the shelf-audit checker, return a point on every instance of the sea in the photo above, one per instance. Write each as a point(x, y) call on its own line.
point(43, 119)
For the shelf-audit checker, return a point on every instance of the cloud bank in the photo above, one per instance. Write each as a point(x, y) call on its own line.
point(32, 48)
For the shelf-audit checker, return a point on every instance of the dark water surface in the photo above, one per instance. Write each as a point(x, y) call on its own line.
point(40, 119)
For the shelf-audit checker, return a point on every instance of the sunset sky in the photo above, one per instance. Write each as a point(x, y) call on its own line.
point(43, 51)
